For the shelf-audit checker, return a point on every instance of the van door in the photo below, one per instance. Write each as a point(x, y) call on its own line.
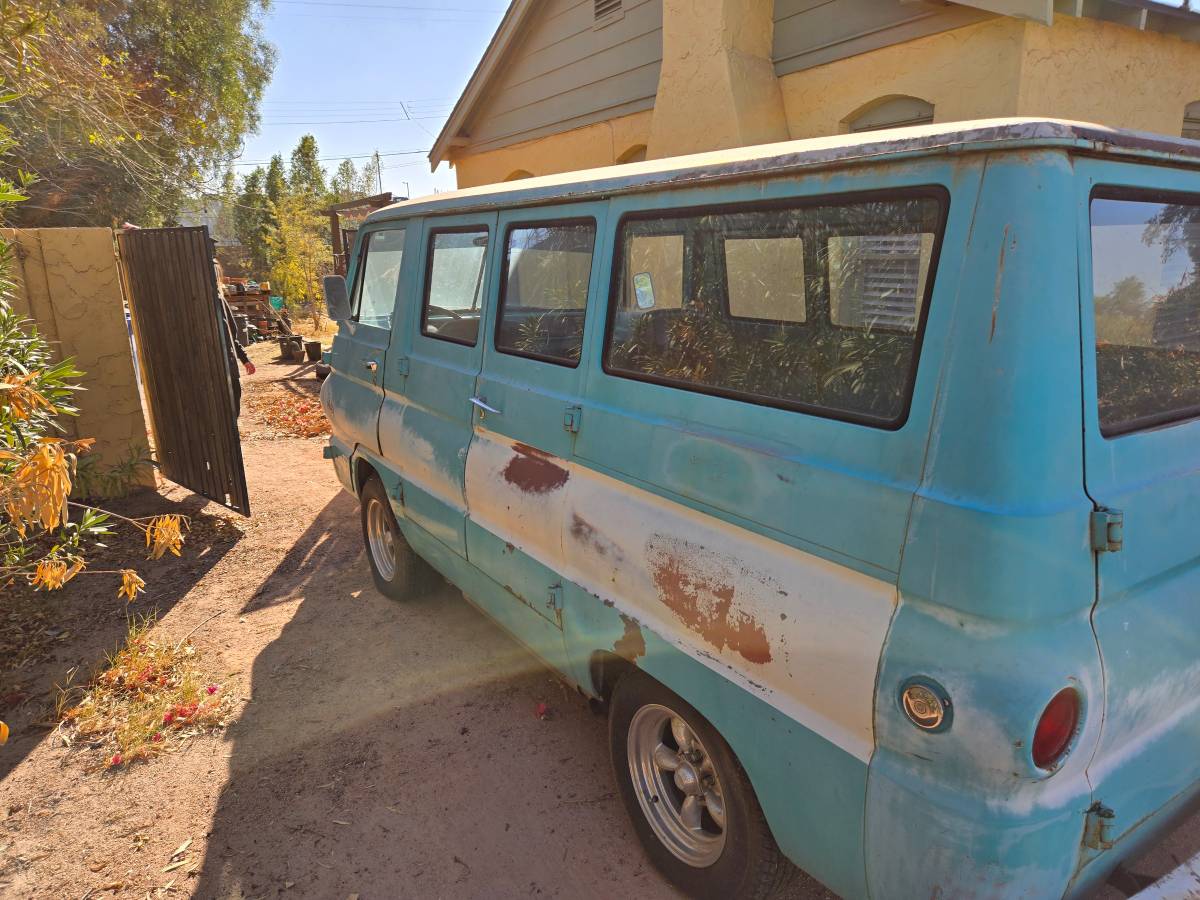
point(429, 440)
point(353, 392)
point(528, 412)
point(1140, 277)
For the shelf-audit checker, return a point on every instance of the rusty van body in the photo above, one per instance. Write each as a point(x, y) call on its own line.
point(859, 475)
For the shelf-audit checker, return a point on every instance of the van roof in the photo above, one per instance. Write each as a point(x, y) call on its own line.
point(788, 156)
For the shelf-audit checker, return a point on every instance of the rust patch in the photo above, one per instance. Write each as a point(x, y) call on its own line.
point(999, 281)
point(585, 532)
point(704, 603)
point(631, 644)
point(534, 471)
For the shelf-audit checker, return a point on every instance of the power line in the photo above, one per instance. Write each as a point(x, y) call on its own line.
point(346, 156)
point(351, 121)
point(409, 7)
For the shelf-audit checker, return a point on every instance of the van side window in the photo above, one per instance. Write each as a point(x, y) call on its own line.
point(813, 307)
point(1146, 297)
point(545, 291)
point(454, 285)
point(383, 252)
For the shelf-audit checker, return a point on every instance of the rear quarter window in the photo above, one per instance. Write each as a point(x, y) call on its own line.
point(817, 307)
point(1146, 302)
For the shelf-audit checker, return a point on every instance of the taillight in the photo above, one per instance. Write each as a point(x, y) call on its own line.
point(1056, 728)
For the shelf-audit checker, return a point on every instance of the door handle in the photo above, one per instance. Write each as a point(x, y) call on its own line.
point(371, 365)
point(482, 404)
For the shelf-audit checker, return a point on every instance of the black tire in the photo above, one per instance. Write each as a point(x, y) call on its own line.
point(750, 864)
point(409, 575)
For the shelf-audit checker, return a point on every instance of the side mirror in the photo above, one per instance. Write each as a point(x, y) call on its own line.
point(337, 300)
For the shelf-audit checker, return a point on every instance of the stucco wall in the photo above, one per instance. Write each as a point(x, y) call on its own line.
point(1108, 73)
point(968, 73)
point(581, 148)
point(71, 287)
point(1083, 69)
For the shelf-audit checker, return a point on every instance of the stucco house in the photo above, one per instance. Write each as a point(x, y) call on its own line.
point(570, 84)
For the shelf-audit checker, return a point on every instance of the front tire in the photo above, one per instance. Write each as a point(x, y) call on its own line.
point(397, 570)
point(692, 806)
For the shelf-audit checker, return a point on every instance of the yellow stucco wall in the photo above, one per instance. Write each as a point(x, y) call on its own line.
point(1078, 69)
point(70, 286)
point(1107, 73)
point(580, 148)
point(1082, 69)
point(967, 73)
point(717, 88)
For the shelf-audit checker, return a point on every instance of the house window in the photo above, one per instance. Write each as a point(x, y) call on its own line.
point(1191, 121)
point(889, 112)
point(636, 153)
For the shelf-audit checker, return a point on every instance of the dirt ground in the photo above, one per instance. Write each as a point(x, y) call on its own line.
point(378, 749)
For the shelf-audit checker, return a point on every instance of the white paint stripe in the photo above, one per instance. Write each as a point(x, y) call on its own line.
point(802, 633)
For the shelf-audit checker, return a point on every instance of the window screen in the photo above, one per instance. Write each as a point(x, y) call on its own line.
point(454, 285)
point(548, 268)
point(1146, 291)
point(815, 307)
point(380, 276)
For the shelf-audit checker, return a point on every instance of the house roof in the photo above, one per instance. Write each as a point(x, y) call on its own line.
point(796, 156)
point(506, 34)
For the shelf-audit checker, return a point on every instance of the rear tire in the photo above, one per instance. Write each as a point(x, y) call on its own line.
point(398, 571)
point(690, 802)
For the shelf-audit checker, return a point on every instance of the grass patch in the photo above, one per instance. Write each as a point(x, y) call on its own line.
point(150, 696)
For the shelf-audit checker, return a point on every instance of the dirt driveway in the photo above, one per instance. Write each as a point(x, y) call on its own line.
point(378, 749)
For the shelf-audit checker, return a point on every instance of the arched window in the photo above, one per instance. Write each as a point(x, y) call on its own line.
point(636, 153)
point(1191, 121)
point(896, 111)
point(518, 175)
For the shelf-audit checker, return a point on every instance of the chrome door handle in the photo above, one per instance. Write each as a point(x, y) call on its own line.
point(482, 403)
point(371, 365)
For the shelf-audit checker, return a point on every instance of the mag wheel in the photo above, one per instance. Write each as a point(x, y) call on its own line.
point(398, 572)
point(690, 802)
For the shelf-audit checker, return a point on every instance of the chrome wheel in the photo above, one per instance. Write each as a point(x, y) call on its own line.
point(381, 539)
point(677, 785)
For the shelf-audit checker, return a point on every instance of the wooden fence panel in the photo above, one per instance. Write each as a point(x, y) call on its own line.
point(172, 291)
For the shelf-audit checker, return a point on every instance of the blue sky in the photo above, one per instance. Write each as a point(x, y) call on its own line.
point(364, 75)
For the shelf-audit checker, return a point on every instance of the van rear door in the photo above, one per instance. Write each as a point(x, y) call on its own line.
point(1140, 278)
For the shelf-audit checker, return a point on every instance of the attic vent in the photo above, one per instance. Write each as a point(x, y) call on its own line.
point(602, 9)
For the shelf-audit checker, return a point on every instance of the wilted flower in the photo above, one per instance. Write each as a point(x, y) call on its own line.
point(131, 585)
point(21, 398)
point(162, 534)
point(52, 574)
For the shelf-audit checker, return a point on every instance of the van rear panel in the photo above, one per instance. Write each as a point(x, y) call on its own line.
point(1139, 259)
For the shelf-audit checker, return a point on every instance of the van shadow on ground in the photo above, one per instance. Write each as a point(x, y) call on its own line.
point(95, 618)
point(392, 750)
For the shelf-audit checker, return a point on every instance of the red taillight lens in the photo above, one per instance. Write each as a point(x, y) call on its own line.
point(1055, 728)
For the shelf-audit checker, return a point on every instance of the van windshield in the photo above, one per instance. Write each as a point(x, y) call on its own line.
point(1146, 297)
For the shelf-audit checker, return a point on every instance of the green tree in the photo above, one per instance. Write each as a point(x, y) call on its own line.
point(275, 182)
point(127, 106)
point(305, 175)
point(370, 175)
point(298, 245)
point(345, 182)
point(252, 218)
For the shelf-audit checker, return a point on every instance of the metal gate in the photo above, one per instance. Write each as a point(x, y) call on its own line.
point(172, 291)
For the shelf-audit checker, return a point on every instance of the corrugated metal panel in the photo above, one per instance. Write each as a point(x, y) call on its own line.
point(172, 291)
point(814, 32)
point(571, 68)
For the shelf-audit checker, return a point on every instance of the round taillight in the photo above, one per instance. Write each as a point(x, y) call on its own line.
point(1056, 728)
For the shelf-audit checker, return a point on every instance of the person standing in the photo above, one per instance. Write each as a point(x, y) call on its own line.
point(235, 352)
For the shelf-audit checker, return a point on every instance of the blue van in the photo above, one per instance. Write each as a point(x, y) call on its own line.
point(858, 477)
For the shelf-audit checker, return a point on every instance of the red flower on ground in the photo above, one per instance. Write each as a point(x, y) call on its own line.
point(168, 718)
point(212, 689)
point(116, 760)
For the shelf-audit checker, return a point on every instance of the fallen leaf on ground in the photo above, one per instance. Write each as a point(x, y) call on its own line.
point(182, 848)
